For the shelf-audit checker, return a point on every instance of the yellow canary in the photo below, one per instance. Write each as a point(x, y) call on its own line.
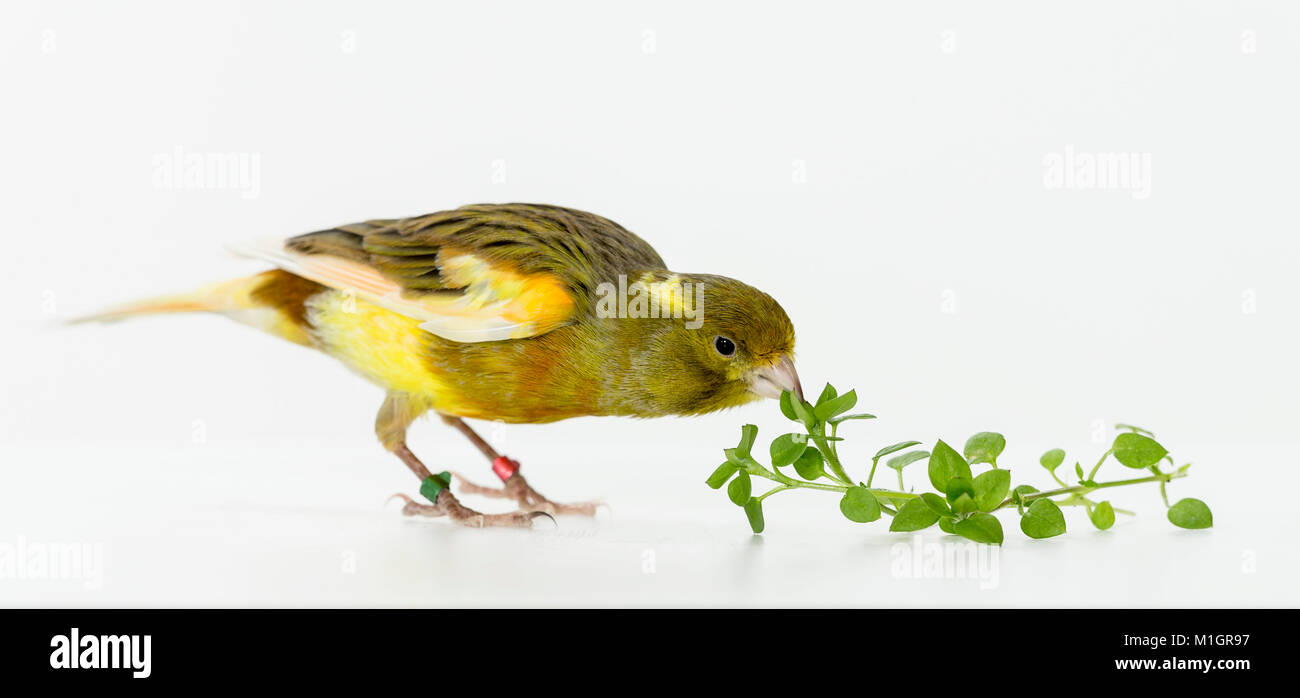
point(514, 312)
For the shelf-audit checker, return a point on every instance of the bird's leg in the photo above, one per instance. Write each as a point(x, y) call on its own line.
point(515, 486)
point(394, 418)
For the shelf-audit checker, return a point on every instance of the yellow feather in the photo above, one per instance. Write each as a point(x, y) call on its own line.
point(385, 347)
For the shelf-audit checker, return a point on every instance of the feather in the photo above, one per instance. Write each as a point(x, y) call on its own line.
point(493, 304)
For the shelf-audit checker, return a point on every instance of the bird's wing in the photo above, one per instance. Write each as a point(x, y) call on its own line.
point(474, 274)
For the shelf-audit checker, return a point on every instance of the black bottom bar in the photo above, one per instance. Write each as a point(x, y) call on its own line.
point(620, 650)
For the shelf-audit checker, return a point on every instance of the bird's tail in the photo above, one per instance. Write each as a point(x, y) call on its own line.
point(218, 297)
point(273, 301)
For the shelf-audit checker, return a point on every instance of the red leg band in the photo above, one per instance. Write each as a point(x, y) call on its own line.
point(505, 467)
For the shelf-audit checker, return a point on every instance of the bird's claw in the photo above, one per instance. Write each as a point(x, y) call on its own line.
point(414, 508)
point(464, 516)
point(518, 489)
point(538, 514)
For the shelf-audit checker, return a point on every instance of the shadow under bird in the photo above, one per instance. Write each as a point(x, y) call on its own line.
point(522, 313)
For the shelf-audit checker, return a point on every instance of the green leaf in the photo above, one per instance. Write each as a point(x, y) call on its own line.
point(836, 406)
point(860, 505)
point(1138, 451)
point(748, 433)
point(913, 515)
point(984, 447)
point(1043, 519)
point(804, 412)
point(787, 406)
point(981, 528)
point(894, 448)
point(991, 488)
point(1020, 491)
point(754, 512)
point(945, 464)
point(739, 489)
point(1103, 516)
point(900, 462)
point(937, 504)
point(847, 417)
point(1190, 513)
point(958, 486)
point(886, 500)
point(964, 504)
point(1052, 459)
point(1130, 427)
point(811, 465)
point(828, 393)
point(1078, 470)
point(787, 448)
point(721, 475)
point(945, 525)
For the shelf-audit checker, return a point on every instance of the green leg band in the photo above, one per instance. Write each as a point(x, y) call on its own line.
point(434, 484)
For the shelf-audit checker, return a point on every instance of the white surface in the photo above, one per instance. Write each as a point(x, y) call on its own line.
point(251, 525)
point(922, 259)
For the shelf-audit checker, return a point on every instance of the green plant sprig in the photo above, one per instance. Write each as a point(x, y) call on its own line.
point(962, 502)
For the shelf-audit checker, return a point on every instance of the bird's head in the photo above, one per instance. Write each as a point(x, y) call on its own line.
point(732, 344)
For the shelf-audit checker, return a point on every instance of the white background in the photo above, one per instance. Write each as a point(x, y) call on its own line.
point(879, 169)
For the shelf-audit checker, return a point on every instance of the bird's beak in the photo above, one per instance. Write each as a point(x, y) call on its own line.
point(770, 381)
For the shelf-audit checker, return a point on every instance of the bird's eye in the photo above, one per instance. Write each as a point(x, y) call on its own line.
point(725, 346)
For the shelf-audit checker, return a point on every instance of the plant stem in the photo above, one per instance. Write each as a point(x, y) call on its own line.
point(828, 450)
point(774, 490)
point(1083, 489)
point(1079, 500)
point(872, 475)
point(1163, 494)
point(1097, 467)
point(791, 483)
point(788, 483)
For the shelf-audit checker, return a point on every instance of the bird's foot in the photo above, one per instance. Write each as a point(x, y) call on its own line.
point(447, 505)
point(518, 489)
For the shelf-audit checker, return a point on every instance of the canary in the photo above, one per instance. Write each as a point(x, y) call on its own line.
point(523, 313)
